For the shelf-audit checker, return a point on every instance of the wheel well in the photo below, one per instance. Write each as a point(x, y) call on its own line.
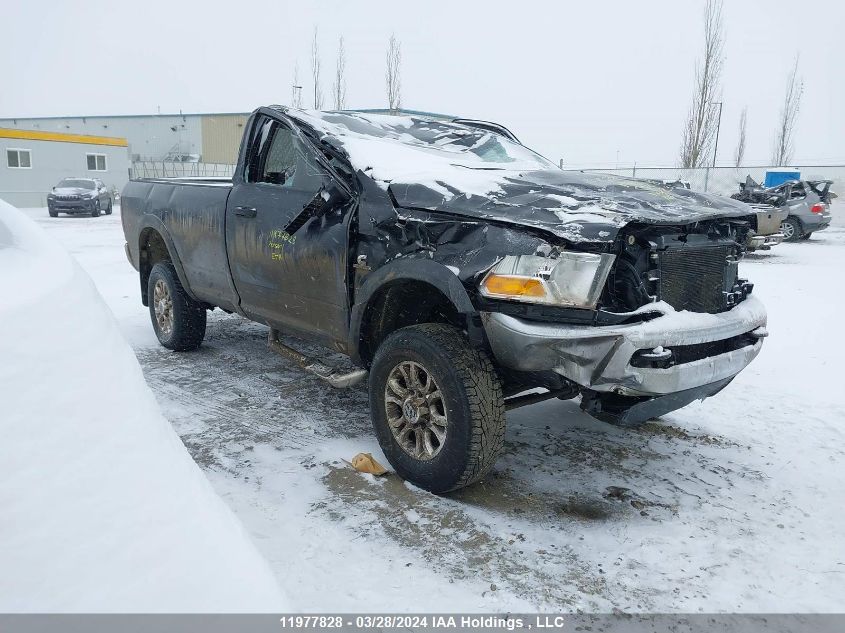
point(400, 304)
point(152, 249)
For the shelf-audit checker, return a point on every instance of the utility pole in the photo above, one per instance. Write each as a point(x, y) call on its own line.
point(718, 125)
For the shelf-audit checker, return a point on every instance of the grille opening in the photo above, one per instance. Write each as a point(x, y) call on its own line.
point(697, 279)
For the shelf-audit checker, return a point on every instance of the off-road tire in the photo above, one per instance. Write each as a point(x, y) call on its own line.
point(95, 212)
point(797, 229)
point(189, 316)
point(472, 395)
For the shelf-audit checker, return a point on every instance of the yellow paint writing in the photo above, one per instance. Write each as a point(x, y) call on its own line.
point(277, 242)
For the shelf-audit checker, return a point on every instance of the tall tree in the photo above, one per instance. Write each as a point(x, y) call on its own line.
point(315, 72)
point(702, 120)
point(739, 153)
point(785, 133)
point(296, 88)
point(339, 85)
point(393, 74)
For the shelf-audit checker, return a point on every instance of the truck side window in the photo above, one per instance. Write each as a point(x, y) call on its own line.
point(277, 156)
point(280, 161)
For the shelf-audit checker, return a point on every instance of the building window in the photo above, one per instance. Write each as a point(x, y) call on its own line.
point(96, 162)
point(18, 158)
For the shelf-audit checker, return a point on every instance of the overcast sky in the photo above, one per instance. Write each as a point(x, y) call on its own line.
point(585, 81)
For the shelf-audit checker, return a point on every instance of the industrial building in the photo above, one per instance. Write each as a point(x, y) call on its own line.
point(207, 138)
point(33, 161)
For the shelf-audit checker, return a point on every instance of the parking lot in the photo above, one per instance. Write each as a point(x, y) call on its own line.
point(732, 504)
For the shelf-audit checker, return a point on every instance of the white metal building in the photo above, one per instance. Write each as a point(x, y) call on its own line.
point(33, 161)
point(209, 138)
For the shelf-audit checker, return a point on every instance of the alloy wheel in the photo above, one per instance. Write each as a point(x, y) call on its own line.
point(416, 412)
point(163, 305)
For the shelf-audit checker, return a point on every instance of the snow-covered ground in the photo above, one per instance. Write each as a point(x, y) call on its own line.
point(733, 504)
point(101, 506)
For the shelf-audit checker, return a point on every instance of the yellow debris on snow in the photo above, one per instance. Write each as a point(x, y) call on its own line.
point(364, 463)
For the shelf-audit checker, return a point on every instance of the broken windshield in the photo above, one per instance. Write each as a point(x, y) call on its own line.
point(468, 146)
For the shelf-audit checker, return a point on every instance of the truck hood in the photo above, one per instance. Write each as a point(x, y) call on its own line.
point(576, 206)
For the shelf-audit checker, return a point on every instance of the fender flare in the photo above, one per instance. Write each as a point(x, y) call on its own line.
point(155, 223)
point(425, 270)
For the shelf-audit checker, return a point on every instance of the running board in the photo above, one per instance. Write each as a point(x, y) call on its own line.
point(315, 367)
point(515, 402)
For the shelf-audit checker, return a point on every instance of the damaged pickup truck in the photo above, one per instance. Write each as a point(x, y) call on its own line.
point(463, 274)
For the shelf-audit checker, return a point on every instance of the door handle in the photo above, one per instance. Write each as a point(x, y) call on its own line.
point(246, 212)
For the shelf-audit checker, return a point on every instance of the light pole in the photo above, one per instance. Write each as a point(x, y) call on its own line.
point(718, 125)
point(295, 95)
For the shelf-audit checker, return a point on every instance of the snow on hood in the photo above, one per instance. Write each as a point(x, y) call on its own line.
point(442, 166)
point(103, 509)
point(73, 191)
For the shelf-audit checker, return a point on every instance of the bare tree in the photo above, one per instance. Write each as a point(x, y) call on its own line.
point(315, 72)
point(296, 88)
point(739, 153)
point(785, 134)
point(702, 120)
point(393, 74)
point(339, 85)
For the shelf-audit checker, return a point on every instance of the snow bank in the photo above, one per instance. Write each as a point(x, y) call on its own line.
point(103, 508)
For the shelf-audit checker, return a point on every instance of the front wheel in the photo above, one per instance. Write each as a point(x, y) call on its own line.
point(806, 236)
point(791, 229)
point(95, 211)
point(109, 208)
point(178, 320)
point(437, 407)
point(53, 214)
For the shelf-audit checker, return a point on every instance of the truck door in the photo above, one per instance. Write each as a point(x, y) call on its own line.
point(288, 263)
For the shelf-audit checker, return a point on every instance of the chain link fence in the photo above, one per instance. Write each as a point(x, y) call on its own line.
point(725, 180)
point(168, 169)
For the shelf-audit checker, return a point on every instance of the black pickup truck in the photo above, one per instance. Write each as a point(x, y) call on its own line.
point(463, 273)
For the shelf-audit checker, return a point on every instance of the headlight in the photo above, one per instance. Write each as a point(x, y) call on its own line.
point(573, 279)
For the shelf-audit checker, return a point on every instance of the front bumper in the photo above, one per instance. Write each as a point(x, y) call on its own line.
point(764, 242)
point(599, 357)
point(72, 206)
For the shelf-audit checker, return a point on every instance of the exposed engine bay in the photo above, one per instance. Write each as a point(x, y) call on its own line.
point(694, 267)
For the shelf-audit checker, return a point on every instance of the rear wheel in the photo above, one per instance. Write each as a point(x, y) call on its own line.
point(437, 407)
point(178, 320)
point(791, 229)
point(806, 236)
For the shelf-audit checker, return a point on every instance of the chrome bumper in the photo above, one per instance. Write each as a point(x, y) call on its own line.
point(764, 241)
point(599, 357)
point(774, 239)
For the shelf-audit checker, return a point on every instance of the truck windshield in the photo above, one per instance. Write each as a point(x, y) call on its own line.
point(466, 146)
point(76, 183)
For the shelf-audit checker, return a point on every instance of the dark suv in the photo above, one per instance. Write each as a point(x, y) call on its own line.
point(79, 195)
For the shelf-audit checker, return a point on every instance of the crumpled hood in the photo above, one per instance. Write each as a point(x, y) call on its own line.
point(576, 206)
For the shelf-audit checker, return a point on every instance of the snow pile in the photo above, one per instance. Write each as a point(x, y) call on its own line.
point(102, 507)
